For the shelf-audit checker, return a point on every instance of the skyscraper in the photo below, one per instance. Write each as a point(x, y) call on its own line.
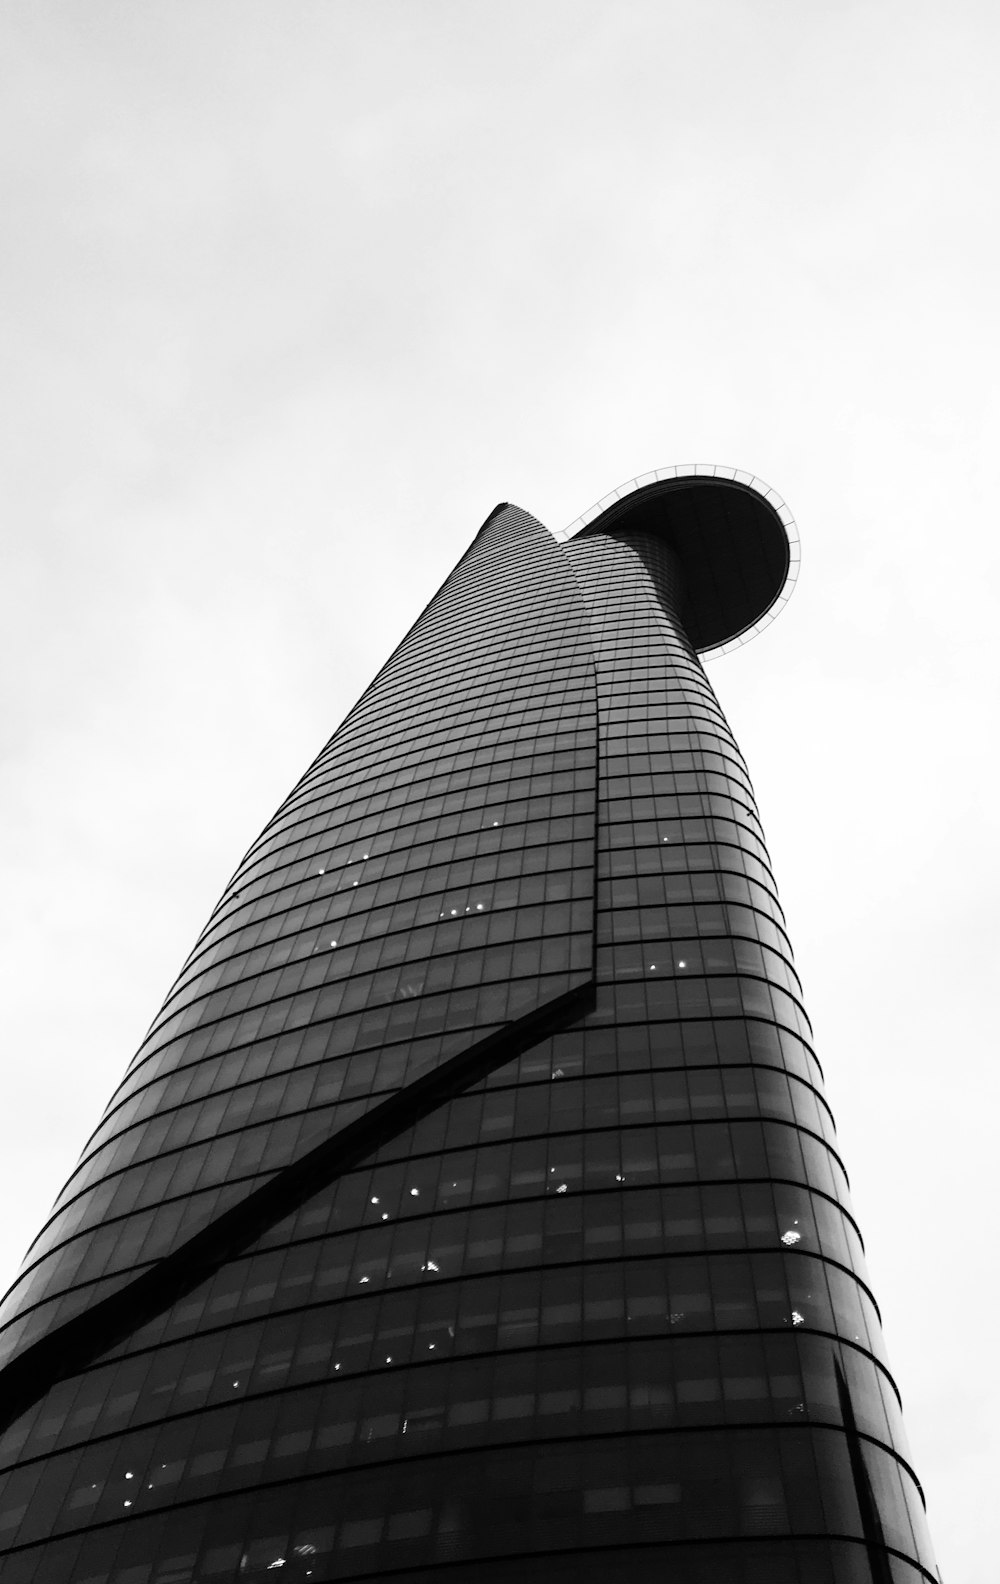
point(472, 1209)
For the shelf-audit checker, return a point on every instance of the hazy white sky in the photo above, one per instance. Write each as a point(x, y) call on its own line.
point(292, 293)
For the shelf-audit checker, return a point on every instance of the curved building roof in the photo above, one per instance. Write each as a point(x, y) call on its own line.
point(734, 537)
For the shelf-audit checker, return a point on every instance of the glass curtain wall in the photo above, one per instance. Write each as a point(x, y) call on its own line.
point(527, 1252)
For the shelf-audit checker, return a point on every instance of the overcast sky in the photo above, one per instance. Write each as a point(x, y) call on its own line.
point(293, 293)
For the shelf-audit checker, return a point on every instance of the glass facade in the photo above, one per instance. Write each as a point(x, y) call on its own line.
point(472, 1208)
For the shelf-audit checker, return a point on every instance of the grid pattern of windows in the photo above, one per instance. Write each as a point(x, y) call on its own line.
point(610, 1283)
point(429, 882)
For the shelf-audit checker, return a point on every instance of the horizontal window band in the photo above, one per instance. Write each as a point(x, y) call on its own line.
point(380, 924)
point(614, 813)
point(499, 1452)
point(361, 779)
point(719, 897)
point(578, 881)
point(700, 762)
point(549, 1349)
point(719, 849)
point(382, 1043)
point(277, 1169)
point(344, 971)
point(615, 833)
point(315, 1066)
point(619, 1129)
point(399, 752)
point(625, 1063)
point(541, 1349)
point(366, 806)
point(492, 749)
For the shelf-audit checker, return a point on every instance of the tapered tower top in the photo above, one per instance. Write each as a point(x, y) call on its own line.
point(734, 538)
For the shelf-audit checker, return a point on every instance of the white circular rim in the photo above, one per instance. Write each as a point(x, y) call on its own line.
point(686, 470)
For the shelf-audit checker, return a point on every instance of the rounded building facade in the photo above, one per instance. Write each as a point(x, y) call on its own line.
point(472, 1208)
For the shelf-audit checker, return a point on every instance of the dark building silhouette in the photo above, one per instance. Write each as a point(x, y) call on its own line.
point(472, 1210)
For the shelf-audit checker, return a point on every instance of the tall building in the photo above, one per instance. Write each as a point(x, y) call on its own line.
point(472, 1210)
